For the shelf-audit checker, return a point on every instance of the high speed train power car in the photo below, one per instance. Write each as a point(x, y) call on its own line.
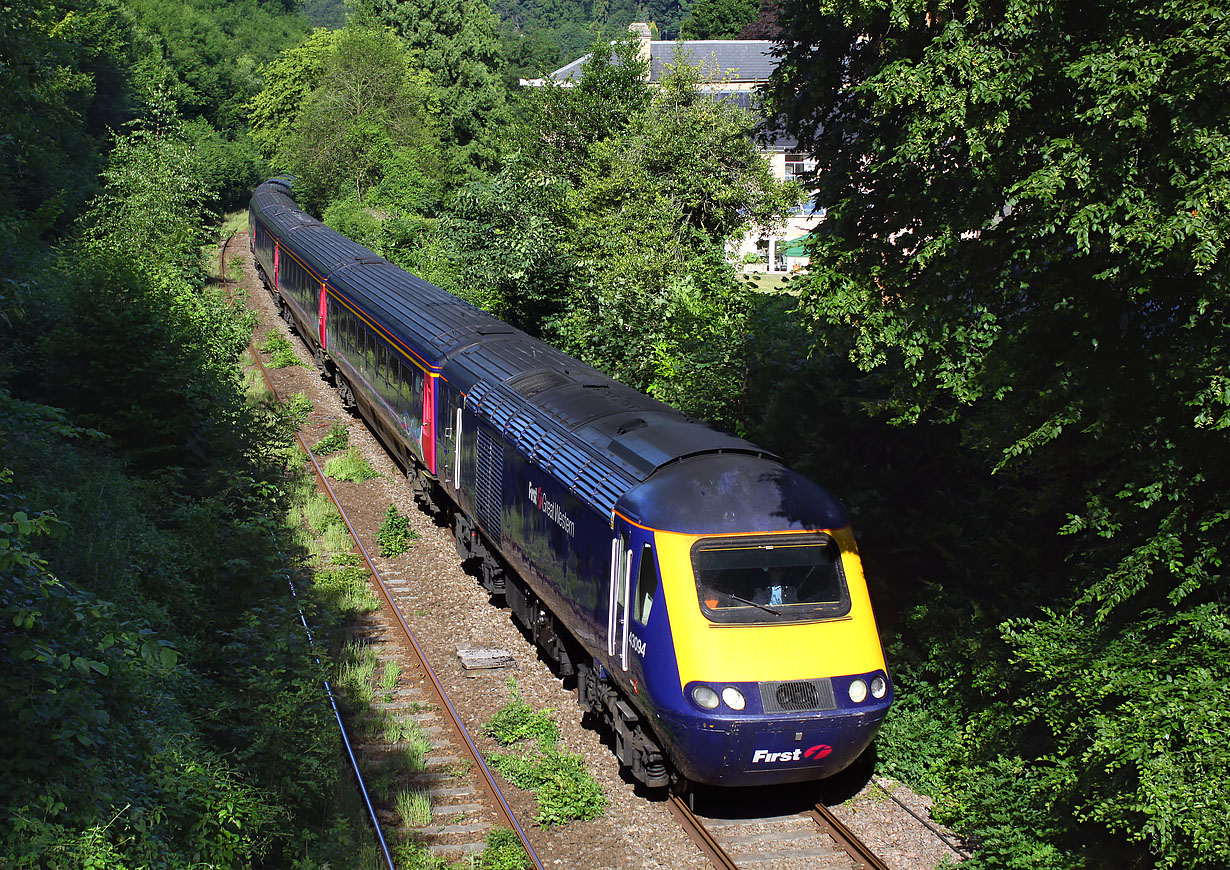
point(709, 601)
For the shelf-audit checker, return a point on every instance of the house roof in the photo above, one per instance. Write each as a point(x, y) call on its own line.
point(720, 60)
point(729, 60)
point(731, 70)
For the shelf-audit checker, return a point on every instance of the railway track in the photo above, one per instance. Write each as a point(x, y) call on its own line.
point(811, 838)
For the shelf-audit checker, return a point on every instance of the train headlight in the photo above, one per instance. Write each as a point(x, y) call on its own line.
point(733, 698)
point(858, 691)
point(705, 697)
point(878, 687)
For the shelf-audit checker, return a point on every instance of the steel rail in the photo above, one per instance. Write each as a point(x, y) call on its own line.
point(493, 788)
point(700, 835)
point(846, 838)
point(337, 713)
point(408, 634)
point(940, 835)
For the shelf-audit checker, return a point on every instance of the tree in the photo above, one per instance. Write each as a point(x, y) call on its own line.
point(65, 80)
point(564, 121)
point(286, 83)
point(653, 301)
point(369, 104)
point(718, 19)
point(347, 112)
point(1026, 236)
point(455, 40)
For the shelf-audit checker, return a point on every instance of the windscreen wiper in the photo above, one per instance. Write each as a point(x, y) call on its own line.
point(763, 607)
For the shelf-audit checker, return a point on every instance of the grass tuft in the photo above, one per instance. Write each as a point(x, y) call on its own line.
point(414, 807)
point(350, 466)
point(278, 348)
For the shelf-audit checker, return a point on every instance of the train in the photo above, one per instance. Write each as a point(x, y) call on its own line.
point(709, 602)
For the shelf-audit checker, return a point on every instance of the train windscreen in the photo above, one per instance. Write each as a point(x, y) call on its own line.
point(788, 578)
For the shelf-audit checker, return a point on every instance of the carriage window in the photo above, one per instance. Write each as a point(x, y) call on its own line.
point(646, 586)
point(779, 578)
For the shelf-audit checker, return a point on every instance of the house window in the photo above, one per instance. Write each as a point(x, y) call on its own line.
point(796, 167)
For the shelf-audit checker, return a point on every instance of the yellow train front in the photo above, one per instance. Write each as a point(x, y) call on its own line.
point(758, 659)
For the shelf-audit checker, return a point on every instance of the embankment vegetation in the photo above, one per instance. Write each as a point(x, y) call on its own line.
point(1008, 358)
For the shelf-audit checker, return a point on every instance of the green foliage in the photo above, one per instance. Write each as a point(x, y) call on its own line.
point(395, 536)
point(297, 408)
point(65, 83)
point(152, 208)
point(415, 856)
point(286, 83)
point(369, 111)
point(414, 807)
point(1024, 253)
point(160, 707)
point(344, 589)
point(279, 350)
point(563, 788)
point(517, 721)
point(503, 851)
point(337, 438)
point(455, 42)
point(356, 98)
point(607, 235)
point(563, 123)
point(212, 50)
point(506, 246)
point(350, 466)
point(718, 19)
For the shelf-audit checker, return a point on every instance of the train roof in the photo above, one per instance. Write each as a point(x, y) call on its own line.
point(600, 437)
point(715, 494)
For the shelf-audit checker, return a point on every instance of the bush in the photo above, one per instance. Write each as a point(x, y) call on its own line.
point(338, 438)
point(395, 535)
point(562, 786)
point(280, 352)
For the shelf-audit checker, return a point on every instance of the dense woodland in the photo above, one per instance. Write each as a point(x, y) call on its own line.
point(1008, 358)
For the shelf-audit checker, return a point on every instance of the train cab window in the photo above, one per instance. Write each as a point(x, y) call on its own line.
point(779, 578)
point(646, 586)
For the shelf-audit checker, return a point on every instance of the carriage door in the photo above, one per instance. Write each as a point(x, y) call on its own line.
point(617, 614)
point(277, 262)
point(450, 462)
point(324, 310)
point(428, 438)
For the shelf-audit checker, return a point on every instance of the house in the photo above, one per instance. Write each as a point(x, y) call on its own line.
point(731, 69)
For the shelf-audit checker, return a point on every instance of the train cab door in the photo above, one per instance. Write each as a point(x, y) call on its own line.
point(620, 588)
